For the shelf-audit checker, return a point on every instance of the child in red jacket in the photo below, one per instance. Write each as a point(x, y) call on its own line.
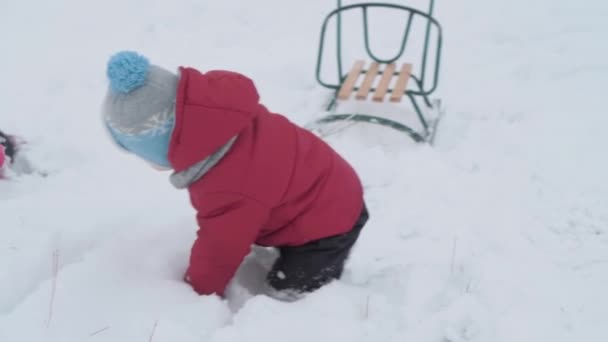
point(8, 149)
point(253, 176)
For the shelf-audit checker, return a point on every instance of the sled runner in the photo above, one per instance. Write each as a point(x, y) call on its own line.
point(385, 79)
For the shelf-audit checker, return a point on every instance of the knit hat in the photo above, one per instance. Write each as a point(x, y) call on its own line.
point(139, 108)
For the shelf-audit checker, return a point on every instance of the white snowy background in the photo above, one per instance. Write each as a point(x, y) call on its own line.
point(499, 233)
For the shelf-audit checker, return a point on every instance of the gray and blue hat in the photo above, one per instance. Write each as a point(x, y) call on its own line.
point(139, 108)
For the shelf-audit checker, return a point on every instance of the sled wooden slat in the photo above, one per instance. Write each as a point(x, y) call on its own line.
point(404, 77)
point(382, 88)
point(351, 79)
point(370, 75)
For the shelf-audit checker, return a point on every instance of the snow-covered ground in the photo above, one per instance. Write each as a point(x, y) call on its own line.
point(499, 233)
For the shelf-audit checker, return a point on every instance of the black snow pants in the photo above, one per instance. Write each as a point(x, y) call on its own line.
point(308, 267)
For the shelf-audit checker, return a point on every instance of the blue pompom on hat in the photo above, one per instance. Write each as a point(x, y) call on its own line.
point(127, 71)
point(139, 108)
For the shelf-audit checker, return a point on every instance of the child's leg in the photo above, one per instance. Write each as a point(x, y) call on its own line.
point(308, 267)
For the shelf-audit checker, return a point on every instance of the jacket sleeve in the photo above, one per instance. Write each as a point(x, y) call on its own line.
point(228, 226)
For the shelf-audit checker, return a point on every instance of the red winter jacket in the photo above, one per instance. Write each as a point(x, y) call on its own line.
point(2, 158)
point(278, 185)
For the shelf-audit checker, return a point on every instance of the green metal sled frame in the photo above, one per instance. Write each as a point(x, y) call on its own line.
point(421, 88)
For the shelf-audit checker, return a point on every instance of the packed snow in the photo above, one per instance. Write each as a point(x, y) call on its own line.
point(497, 233)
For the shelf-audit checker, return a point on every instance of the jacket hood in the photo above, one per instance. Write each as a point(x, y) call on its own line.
point(210, 109)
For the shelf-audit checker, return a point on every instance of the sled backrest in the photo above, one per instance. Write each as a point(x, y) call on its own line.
point(424, 79)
